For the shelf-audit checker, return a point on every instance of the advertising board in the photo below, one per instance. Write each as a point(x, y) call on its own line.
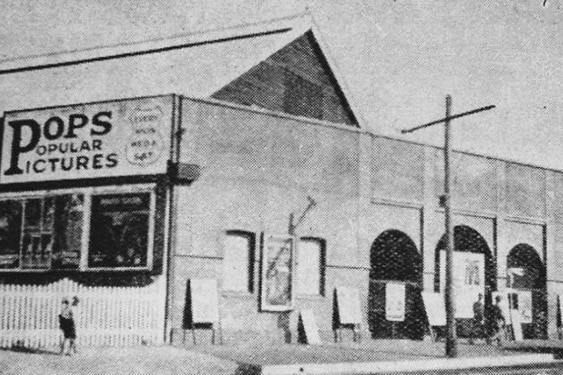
point(106, 139)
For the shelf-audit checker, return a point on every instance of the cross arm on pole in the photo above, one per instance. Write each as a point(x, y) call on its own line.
point(405, 131)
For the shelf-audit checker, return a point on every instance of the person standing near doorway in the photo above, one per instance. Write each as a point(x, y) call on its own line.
point(499, 321)
point(478, 324)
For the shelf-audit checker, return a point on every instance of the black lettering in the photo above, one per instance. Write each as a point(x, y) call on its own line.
point(17, 147)
point(85, 146)
point(97, 145)
point(75, 121)
point(81, 162)
point(36, 167)
point(60, 128)
point(66, 167)
point(97, 161)
point(53, 162)
point(52, 148)
point(98, 121)
point(111, 160)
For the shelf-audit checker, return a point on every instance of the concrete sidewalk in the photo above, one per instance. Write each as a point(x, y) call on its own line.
point(253, 358)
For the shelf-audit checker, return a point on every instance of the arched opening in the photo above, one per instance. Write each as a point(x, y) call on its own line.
point(526, 273)
point(395, 258)
point(467, 240)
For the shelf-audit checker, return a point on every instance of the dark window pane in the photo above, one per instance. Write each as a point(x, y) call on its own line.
point(67, 231)
point(119, 230)
point(10, 233)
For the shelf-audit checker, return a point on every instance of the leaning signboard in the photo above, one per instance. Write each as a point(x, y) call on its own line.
point(278, 259)
point(105, 139)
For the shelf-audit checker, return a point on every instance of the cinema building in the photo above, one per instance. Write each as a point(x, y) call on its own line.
point(238, 156)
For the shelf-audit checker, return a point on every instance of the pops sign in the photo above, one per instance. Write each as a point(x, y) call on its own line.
point(123, 138)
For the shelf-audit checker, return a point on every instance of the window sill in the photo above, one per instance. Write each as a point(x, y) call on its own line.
point(310, 296)
point(235, 294)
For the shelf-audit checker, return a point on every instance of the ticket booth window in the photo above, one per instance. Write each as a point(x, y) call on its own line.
point(238, 262)
point(310, 267)
point(119, 230)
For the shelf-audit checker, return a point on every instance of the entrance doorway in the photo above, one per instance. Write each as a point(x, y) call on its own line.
point(467, 239)
point(526, 273)
point(395, 259)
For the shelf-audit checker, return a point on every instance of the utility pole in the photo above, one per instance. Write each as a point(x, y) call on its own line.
point(446, 200)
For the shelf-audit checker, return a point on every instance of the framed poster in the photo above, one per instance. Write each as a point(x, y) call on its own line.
point(395, 302)
point(278, 265)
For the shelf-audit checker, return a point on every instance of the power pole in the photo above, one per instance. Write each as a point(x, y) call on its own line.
point(451, 340)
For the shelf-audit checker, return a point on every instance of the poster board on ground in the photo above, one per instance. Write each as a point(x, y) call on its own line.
point(204, 300)
point(395, 302)
point(435, 306)
point(525, 306)
point(348, 304)
point(516, 325)
point(310, 327)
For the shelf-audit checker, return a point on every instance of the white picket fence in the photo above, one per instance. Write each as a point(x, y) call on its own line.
point(105, 316)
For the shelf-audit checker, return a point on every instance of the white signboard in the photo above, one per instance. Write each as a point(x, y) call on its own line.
point(469, 280)
point(525, 306)
point(395, 302)
point(310, 327)
point(204, 299)
point(516, 325)
point(348, 302)
point(119, 138)
point(435, 307)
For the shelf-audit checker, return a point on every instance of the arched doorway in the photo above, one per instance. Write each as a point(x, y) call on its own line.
point(395, 258)
point(468, 240)
point(526, 273)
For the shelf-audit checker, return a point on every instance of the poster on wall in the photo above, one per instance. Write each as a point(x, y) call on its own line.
point(395, 302)
point(469, 280)
point(278, 259)
point(106, 139)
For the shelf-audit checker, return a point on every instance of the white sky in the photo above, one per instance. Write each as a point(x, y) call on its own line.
point(399, 58)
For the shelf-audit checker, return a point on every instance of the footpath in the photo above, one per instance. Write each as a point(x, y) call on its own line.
point(369, 357)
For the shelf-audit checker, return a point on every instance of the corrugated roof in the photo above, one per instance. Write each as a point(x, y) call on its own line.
point(194, 65)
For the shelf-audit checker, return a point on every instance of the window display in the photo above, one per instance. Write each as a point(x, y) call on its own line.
point(119, 230)
point(47, 232)
point(47, 236)
point(10, 233)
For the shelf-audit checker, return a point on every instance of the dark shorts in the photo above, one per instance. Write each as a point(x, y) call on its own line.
point(68, 328)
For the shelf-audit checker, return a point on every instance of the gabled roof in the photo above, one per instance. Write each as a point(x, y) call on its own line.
point(195, 65)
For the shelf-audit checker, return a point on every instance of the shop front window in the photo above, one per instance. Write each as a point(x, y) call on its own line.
point(10, 233)
point(41, 233)
point(119, 231)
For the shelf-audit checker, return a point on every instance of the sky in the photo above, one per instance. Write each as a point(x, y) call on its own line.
point(398, 58)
